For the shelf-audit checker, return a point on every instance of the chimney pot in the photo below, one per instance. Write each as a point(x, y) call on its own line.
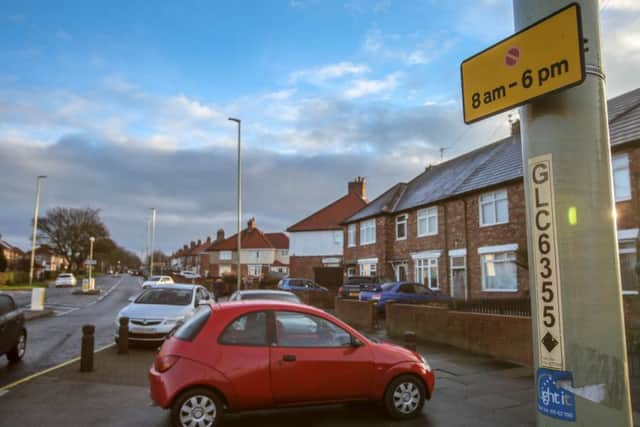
point(358, 187)
point(199, 242)
point(220, 235)
point(251, 224)
point(208, 239)
point(193, 244)
point(515, 127)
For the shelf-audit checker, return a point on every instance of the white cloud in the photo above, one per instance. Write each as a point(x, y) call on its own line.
point(319, 75)
point(194, 108)
point(361, 87)
point(410, 49)
point(620, 4)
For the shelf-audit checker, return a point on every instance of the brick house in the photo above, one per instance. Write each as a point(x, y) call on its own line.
point(460, 225)
point(316, 241)
point(47, 260)
point(13, 254)
point(260, 253)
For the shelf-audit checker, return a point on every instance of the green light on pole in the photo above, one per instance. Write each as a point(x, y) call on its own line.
point(573, 215)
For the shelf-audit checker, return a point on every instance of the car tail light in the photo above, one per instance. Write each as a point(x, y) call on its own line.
point(376, 296)
point(164, 363)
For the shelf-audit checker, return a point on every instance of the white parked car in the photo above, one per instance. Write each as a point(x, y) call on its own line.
point(189, 275)
point(159, 310)
point(65, 279)
point(157, 280)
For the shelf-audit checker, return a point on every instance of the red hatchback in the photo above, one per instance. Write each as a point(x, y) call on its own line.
point(265, 354)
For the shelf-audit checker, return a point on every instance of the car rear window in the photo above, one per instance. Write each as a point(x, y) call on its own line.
point(271, 296)
point(64, 275)
point(192, 327)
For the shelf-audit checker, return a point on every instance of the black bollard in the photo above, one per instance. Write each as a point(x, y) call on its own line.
point(86, 352)
point(123, 336)
point(410, 340)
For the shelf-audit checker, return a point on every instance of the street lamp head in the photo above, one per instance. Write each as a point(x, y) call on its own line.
point(42, 176)
point(234, 120)
point(92, 239)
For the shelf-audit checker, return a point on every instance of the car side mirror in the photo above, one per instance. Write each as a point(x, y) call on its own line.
point(355, 342)
point(132, 299)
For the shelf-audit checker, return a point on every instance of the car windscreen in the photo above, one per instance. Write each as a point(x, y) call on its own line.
point(192, 327)
point(271, 296)
point(154, 278)
point(166, 297)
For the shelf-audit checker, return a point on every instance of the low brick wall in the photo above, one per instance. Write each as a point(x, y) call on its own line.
point(502, 337)
point(359, 314)
point(316, 299)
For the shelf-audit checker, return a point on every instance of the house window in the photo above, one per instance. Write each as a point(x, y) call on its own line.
point(224, 269)
point(284, 252)
point(225, 255)
point(368, 269)
point(401, 227)
point(499, 273)
point(494, 208)
point(351, 235)
point(621, 184)
point(427, 272)
point(368, 232)
point(255, 269)
point(428, 222)
point(628, 259)
point(351, 271)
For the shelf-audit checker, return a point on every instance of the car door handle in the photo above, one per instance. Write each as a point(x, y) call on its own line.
point(289, 358)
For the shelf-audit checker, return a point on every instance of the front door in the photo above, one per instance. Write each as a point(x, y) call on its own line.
point(312, 360)
point(401, 272)
point(458, 278)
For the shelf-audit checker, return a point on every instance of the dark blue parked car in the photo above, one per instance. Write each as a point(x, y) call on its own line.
point(300, 285)
point(407, 292)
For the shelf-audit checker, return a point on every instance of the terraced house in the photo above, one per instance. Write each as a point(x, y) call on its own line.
point(460, 226)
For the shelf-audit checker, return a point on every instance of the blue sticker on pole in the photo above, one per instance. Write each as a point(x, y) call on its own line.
point(554, 401)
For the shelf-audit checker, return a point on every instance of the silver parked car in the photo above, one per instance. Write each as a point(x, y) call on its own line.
point(65, 279)
point(158, 310)
point(157, 280)
point(265, 294)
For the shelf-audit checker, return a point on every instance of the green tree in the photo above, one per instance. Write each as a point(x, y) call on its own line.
point(67, 232)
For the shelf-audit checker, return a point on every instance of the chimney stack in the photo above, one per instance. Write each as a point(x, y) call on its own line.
point(515, 125)
point(358, 187)
point(219, 235)
point(199, 242)
point(208, 239)
point(251, 224)
point(193, 244)
point(185, 247)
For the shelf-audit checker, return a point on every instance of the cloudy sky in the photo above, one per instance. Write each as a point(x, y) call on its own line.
point(124, 106)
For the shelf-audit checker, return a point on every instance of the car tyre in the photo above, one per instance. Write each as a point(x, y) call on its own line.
point(404, 397)
point(198, 406)
point(18, 351)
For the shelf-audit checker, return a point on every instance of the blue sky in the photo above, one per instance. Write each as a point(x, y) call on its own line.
point(125, 104)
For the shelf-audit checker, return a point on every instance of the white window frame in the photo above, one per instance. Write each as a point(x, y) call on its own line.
point(226, 255)
point(337, 238)
point(367, 227)
point(402, 220)
point(490, 199)
point(252, 268)
point(483, 264)
point(351, 271)
point(428, 264)
point(284, 252)
point(224, 269)
point(458, 254)
point(351, 235)
point(620, 163)
point(368, 266)
point(423, 216)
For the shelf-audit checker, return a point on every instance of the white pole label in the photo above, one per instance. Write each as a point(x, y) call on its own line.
point(545, 257)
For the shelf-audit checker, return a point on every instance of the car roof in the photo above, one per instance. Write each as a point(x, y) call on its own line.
point(247, 305)
point(263, 291)
point(177, 286)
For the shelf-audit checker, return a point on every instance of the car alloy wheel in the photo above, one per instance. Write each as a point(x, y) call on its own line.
point(404, 397)
point(197, 408)
point(17, 352)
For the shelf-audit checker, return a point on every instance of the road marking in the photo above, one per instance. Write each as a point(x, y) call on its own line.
point(6, 388)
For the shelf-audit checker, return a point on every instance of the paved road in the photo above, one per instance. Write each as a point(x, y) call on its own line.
point(53, 340)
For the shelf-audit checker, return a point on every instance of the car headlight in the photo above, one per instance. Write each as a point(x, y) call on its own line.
point(425, 363)
point(174, 321)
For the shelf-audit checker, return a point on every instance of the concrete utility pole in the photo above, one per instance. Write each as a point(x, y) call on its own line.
point(239, 273)
point(35, 228)
point(572, 240)
point(153, 238)
point(91, 240)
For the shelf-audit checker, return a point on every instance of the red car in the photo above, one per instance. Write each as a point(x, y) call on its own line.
point(266, 354)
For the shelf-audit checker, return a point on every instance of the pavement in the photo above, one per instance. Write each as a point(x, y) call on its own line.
point(470, 390)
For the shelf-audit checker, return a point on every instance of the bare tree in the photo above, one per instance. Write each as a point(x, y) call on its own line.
point(67, 232)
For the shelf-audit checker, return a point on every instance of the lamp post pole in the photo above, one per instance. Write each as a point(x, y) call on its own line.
point(239, 272)
point(35, 228)
point(91, 240)
point(153, 238)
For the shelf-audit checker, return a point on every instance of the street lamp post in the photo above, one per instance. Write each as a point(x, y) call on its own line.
point(153, 238)
point(91, 240)
point(239, 273)
point(35, 228)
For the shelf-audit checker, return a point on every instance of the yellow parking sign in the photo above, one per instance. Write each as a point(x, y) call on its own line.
point(543, 58)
